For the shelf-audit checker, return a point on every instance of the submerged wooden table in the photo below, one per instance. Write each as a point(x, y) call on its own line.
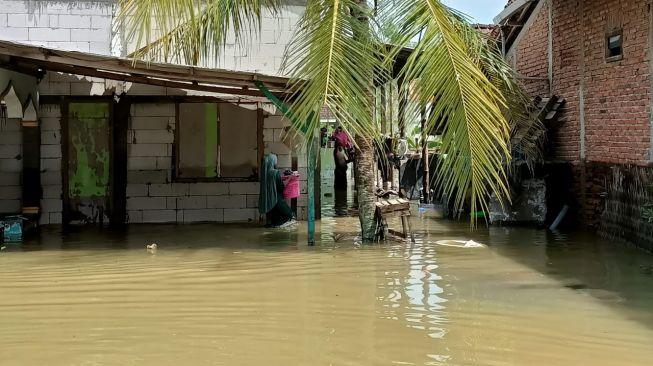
point(398, 207)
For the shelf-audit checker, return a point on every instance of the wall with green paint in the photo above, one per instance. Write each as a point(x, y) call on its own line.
point(89, 151)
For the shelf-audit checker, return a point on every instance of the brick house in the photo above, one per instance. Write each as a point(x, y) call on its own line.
point(596, 56)
point(85, 136)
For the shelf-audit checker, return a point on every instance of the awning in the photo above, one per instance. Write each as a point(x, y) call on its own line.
point(513, 19)
point(36, 61)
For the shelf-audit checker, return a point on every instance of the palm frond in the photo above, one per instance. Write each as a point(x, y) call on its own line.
point(527, 132)
point(333, 61)
point(190, 30)
point(462, 101)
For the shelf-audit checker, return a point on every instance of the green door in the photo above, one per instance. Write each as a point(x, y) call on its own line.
point(89, 162)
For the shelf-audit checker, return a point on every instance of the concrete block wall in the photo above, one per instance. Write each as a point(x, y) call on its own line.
point(262, 54)
point(11, 166)
point(153, 196)
point(84, 26)
point(265, 54)
point(88, 26)
point(51, 154)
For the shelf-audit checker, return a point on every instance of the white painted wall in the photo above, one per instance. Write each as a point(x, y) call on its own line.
point(90, 26)
point(81, 25)
point(265, 54)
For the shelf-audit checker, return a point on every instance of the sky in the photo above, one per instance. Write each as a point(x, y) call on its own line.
point(482, 11)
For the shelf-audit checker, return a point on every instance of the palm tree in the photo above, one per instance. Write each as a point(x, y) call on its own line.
point(337, 58)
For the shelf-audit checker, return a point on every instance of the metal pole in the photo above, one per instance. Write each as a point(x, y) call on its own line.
point(312, 166)
point(426, 180)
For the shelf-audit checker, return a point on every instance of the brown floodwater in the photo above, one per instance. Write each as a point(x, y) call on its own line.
point(243, 295)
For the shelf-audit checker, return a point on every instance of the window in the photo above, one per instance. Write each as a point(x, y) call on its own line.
point(614, 46)
point(216, 141)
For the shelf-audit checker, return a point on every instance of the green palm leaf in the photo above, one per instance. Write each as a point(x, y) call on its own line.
point(527, 132)
point(333, 61)
point(190, 30)
point(462, 102)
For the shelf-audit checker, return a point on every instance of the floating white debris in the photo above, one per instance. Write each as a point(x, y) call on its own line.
point(460, 243)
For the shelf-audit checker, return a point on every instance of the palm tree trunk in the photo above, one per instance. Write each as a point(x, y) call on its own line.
point(365, 176)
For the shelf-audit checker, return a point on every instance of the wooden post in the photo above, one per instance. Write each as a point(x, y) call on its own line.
point(65, 141)
point(118, 184)
point(403, 102)
point(31, 131)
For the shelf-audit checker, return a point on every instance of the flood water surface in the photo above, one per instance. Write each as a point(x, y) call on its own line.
point(230, 295)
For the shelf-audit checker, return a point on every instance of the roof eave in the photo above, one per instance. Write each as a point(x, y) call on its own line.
point(511, 10)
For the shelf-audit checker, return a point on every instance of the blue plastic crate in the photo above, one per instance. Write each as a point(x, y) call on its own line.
point(12, 228)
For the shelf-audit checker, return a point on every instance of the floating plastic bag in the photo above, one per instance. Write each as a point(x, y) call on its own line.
point(460, 243)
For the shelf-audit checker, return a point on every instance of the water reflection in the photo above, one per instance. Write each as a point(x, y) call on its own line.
point(243, 295)
point(341, 203)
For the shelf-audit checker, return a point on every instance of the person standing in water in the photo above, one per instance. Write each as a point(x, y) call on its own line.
point(341, 155)
point(342, 165)
point(271, 201)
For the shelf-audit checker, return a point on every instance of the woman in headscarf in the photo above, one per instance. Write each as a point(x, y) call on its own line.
point(270, 201)
point(340, 175)
point(342, 154)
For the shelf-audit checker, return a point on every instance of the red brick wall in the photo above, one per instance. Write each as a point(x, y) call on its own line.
point(616, 94)
point(567, 55)
point(531, 55)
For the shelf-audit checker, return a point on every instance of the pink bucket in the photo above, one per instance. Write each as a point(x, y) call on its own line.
point(292, 186)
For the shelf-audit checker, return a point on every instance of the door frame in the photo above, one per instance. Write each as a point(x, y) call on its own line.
point(65, 147)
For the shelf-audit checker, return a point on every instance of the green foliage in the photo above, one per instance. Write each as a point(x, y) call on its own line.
point(337, 57)
point(461, 100)
point(188, 31)
point(334, 61)
point(414, 139)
